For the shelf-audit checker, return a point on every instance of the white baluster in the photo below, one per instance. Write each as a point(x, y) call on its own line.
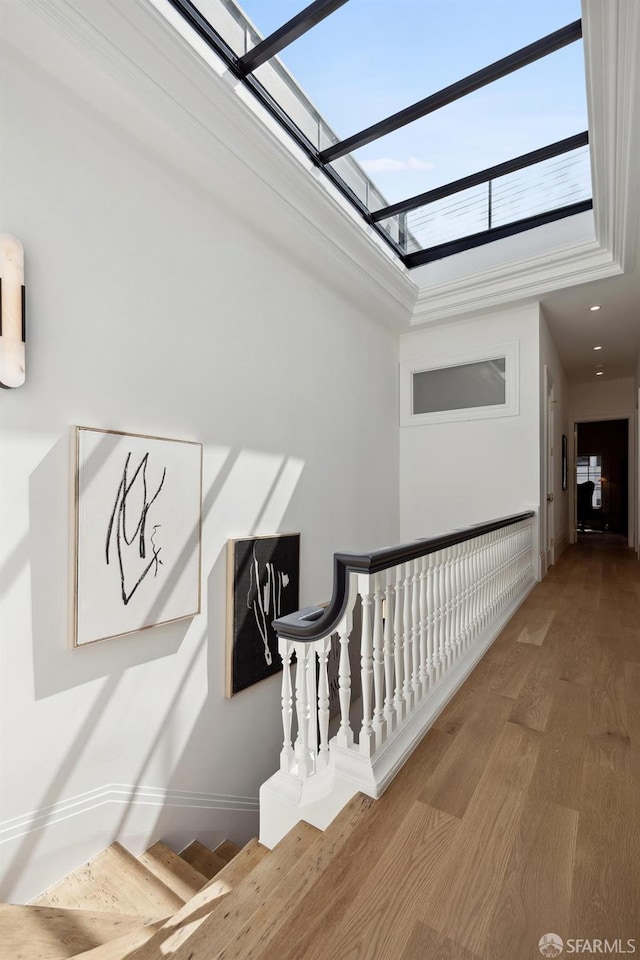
point(367, 736)
point(408, 638)
point(344, 736)
point(448, 591)
point(424, 618)
point(303, 757)
point(432, 652)
point(416, 682)
point(379, 722)
point(456, 600)
point(441, 599)
point(285, 648)
point(398, 635)
point(389, 705)
point(323, 649)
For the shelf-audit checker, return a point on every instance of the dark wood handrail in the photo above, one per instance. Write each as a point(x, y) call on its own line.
point(314, 623)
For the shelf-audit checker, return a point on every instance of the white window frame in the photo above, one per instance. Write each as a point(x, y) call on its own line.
point(510, 351)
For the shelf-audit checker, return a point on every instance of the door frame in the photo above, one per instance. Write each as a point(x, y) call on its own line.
point(549, 469)
point(633, 467)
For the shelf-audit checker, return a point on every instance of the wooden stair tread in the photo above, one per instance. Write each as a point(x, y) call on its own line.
point(204, 903)
point(116, 882)
point(253, 936)
point(234, 892)
point(210, 938)
point(173, 870)
point(52, 933)
point(206, 861)
point(124, 947)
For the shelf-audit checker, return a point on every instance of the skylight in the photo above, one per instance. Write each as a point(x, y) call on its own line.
point(357, 63)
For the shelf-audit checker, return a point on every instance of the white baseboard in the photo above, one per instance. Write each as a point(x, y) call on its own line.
point(41, 847)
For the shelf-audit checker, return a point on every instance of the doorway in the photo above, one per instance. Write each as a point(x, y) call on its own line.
point(602, 478)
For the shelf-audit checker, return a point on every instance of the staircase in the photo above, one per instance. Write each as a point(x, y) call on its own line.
point(198, 905)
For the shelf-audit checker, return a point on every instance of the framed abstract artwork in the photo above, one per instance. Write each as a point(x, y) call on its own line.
point(137, 532)
point(262, 585)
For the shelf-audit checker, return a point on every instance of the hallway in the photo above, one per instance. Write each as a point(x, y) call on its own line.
point(518, 814)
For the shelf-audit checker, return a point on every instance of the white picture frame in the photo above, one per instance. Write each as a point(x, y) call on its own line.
point(137, 558)
point(508, 351)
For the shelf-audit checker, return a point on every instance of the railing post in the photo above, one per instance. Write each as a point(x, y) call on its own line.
point(400, 704)
point(415, 632)
point(379, 721)
point(344, 736)
point(408, 638)
point(285, 648)
point(367, 736)
point(304, 761)
point(432, 662)
point(389, 702)
point(323, 649)
point(424, 617)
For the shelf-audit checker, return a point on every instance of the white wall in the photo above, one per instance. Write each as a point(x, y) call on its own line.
point(549, 358)
point(609, 400)
point(464, 472)
point(157, 306)
point(636, 471)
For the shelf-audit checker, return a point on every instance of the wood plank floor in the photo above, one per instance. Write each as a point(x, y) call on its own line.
point(519, 813)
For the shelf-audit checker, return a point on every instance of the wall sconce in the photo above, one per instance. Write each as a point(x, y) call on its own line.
point(12, 312)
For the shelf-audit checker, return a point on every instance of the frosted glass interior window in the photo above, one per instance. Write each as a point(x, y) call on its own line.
point(481, 384)
point(471, 385)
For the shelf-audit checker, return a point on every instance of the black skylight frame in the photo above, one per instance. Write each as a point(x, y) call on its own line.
point(243, 66)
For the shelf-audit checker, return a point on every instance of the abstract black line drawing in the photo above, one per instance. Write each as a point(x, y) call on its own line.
point(262, 578)
point(265, 598)
point(118, 529)
point(138, 502)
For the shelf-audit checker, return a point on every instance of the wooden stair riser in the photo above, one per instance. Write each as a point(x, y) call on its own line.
point(172, 870)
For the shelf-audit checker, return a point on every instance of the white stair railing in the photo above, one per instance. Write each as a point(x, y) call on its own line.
point(429, 610)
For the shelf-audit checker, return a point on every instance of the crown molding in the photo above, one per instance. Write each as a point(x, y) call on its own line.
point(514, 282)
point(175, 94)
point(612, 48)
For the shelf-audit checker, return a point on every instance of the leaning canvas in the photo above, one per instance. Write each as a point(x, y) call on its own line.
point(137, 532)
point(262, 585)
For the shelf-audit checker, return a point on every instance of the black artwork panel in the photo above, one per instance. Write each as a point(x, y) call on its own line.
point(263, 576)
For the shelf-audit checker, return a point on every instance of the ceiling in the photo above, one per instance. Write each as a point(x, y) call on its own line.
point(576, 330)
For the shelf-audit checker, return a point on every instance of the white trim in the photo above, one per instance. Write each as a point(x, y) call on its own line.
point(611, 33)
point(515, 280)
point(120, 793)
point(510, 351)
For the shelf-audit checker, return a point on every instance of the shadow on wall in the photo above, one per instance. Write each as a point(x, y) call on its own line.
point(57, 667)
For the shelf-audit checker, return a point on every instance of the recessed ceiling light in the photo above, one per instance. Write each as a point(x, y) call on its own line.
point(597, 348)
point(596, 306)
point(599, 373)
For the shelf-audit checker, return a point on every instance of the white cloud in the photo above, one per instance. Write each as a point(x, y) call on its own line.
point(391, 165)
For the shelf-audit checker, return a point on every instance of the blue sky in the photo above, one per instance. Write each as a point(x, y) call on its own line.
point(373, 57)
